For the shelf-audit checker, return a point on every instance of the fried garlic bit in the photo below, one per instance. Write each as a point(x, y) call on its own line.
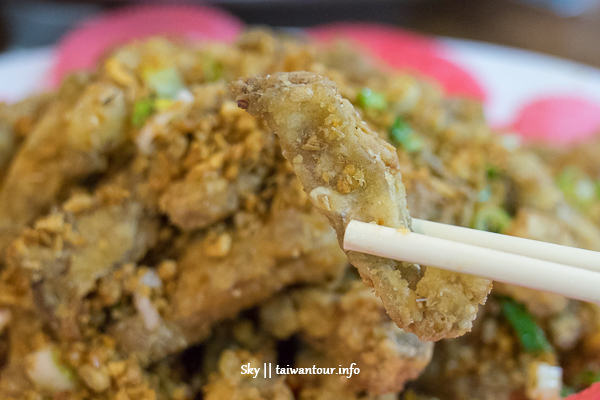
point(351, 174)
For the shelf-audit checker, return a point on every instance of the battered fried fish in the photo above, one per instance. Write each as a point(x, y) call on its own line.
point(349, 325)
point(68, 251)
point(349, 173)
point(221, 275)
point(60, 150)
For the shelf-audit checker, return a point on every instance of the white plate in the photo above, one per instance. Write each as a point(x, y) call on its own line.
point(24, 72)
point(514, 77)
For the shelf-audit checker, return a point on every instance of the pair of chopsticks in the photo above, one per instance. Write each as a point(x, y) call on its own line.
point(564, 270)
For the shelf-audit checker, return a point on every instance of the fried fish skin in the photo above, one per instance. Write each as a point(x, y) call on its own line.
point(349, 173)
point(349, 325)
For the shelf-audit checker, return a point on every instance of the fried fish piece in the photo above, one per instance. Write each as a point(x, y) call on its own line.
point(16, 122)
point(236, 344)
point(67, 251)
point(229, 383)
point(349, 173)
point(349, 325)
point(226, 272)
point(71, 141)
point(25, 326)
point(543, 213)
point(327, 386)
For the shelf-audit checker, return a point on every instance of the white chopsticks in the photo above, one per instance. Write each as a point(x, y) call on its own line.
point(575, 257)
point(572, 272)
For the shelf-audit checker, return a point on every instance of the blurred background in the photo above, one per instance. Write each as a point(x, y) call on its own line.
point(565, 28)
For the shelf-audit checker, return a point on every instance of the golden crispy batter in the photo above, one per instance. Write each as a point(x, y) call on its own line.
point(85, 369)
point(25, 327)
point(61, 150)
point(349, 173)
point(488, 363)
point(326, 386)
point(17, 121)
point(68, 251)
point(349, 325)
point(229, 178)
point(233, 345)
point(229, 383)
point(223, 273)
point(543, 213)
point(211, 174)
point(584, 155)
point(225, 226)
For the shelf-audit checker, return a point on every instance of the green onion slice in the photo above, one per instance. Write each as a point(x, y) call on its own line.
point(401, 134)
point(492, 219)
point(530, 334)
point(166, 83)
point(142, 110)
point(369, 99)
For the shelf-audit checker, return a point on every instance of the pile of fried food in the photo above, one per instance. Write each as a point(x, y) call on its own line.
point(164, 222)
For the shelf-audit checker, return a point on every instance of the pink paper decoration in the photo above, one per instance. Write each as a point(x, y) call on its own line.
point(81, 48)
point(407, 51)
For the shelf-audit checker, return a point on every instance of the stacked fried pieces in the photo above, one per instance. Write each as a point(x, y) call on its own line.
point(155, 237)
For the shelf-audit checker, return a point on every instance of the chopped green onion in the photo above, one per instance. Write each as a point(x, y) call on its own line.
point(369, 99)
point(566, 179)
point(485, 194)
point(492, 172)
point(491, 219)
point(166, 83)
point(586, 378)
point(530, 334)
point(577, 186)
point(566, 391)
point(213, 70)
point(142, 110)
point(402, 135)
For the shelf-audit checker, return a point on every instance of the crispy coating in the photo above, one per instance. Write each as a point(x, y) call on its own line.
point(349, 325)
point(261, 234)
point(25, 327)
point(61, 150)
point(584, 155)
point(68, 251)
point(544, 214)
point(222, 274)
point(326, 386)
point(349, 173)
point(488, 363)
point(210, 177)
point(207, 222)
point(17, 121)
point(229, 383)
